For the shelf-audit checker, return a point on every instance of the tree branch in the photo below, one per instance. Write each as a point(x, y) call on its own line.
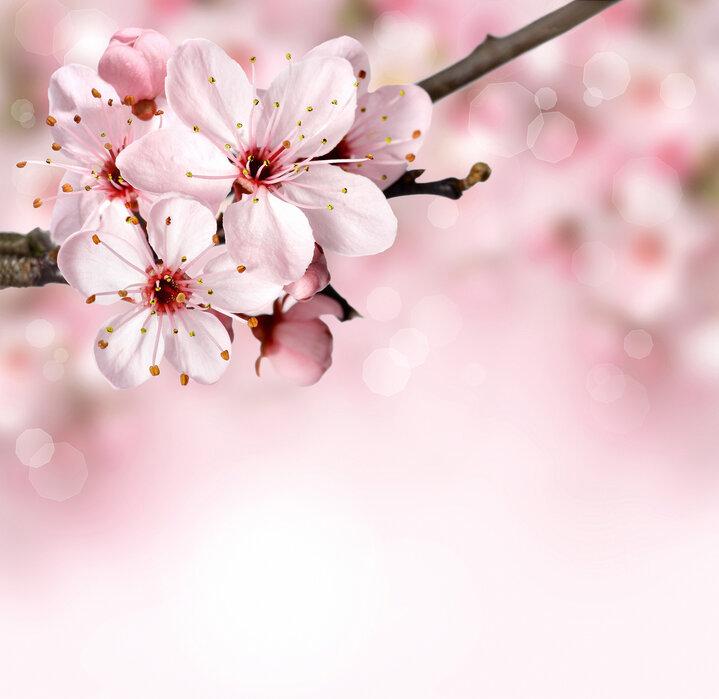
point(28, 260)
point(496, 51)
point(450, 187)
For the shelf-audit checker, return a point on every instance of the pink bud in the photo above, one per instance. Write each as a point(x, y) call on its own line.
point(297, 342)
point(316, 278)
point(135, 63)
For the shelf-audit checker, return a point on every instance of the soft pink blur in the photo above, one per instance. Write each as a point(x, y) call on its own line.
point(506, 484)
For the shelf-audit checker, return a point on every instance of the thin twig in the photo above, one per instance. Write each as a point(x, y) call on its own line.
point(450, 187)
point(496, 51)
point(28, 260)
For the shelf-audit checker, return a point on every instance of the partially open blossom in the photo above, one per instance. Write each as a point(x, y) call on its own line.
point(135, 64)
point(90, 127)
point(391, 123)
point(170, 283)
point(315, 278)
point(266, 147)
point(296, 341)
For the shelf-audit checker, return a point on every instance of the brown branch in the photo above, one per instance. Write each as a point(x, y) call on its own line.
point(28, 260)
point(450, 187)
point(496, 51)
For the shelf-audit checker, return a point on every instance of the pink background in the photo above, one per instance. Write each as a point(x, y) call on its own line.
point(506, 485)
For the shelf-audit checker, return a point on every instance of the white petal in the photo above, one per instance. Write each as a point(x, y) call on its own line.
point(159, 163)
point(126, 359)
point(320, 93)
point(118, 261)
point(358, 221)
point(206, 88)
point(188, 233)
point(245, 292)
point(269, 236)
point(350, 49)
point(198, 355)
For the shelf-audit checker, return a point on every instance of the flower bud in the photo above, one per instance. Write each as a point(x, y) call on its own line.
point(135, 64)
point(315, 278)
point(297, 342)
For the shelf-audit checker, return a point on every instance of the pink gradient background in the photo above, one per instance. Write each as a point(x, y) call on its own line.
point(531, 512)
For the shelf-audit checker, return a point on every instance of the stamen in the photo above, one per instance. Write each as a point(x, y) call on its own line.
point(184, 379)
point(51, 121)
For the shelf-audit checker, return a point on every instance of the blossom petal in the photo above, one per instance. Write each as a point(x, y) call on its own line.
point(125, 354)
point(198, 354)
point(237, 292)
point(318, 92)
point(351, 216)
point(351, 50)
point(207, 89)
point(159, 163)
point(315, 278)
point(301, 352)
point(392, 128)
point(269, 236)
point(113, 264)
point(315, 307)
point(76, 210)
point(180, 227)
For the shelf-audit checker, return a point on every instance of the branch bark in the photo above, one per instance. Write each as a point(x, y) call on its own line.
point(496, 51)
point(450, 187)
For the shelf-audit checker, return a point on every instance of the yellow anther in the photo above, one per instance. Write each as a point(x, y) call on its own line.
point(180, 298)
point(211, 80)
point(330, 207)
point(253, 322)
point(196, 128)
point(184, 379)
point(344, 190)
point(95, 238)
point(225, 354)
point(96, 93)
point(155, 370)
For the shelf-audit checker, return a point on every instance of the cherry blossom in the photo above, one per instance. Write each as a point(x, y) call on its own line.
point(266, 147)
point(135, 64)
point(391, 123)
point(171, 282)
point(90, 127)
point(296, 341)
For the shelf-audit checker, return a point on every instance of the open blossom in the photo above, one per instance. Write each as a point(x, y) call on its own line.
point(266, 147)
point(391, 122)
point(135, 64)
point(296, 341)
point(171, 286)
point(90, 127)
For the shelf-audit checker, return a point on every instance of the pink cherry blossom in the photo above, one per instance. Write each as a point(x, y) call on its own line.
point(296, 341)
point(315, 278)
point(90, 128)
point(135, 64)
point(267, 146)
point(390, 125)
point(171, 283)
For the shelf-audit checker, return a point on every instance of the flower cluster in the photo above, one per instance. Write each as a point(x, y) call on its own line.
point(199, 198)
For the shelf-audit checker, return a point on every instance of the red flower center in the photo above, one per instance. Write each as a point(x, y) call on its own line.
point(167, 291)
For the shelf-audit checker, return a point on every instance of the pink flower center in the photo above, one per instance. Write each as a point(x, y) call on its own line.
point(166, 290)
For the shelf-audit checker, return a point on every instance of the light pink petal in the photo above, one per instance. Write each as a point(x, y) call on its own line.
point(117, 262)
point(359, 222)
point(70, 94)
point(236, 292)
point(315, 278)
point(159, 163)
point(306, 92)
point(207, 89)
point(403, 119)
point(199, 354)
point(315, 307)
point(269, 237)
point(76, 210)
point(301, 352)
point(126, 359)
point(188, 233)
point(351, 50)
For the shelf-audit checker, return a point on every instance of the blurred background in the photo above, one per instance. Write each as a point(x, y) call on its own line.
point(507, 484)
